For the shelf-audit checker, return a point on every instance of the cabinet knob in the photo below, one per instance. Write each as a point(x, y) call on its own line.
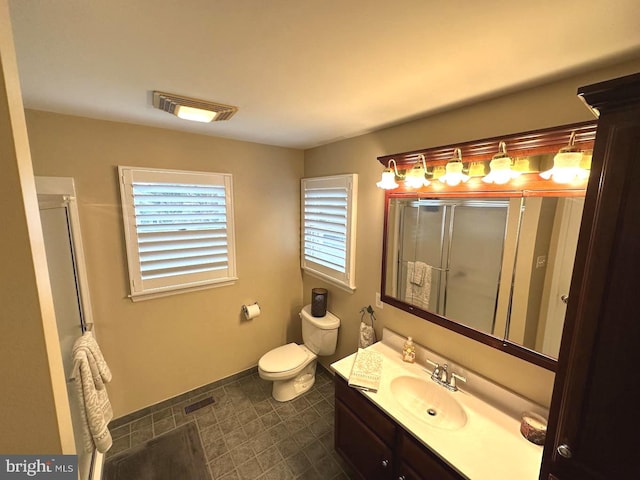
point(565, 299)
point(402, 477)
point(564, 451)
point(384, 463)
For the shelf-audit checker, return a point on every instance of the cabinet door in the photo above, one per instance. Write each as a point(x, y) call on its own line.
point(592, 433)
point(370, 415)
point(405, 472)
point(416, 462)
point(363, 450)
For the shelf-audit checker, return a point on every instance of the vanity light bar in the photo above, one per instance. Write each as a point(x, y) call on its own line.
point(571, 165)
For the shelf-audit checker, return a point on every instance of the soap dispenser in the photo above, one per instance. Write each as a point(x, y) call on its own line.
point(409, 351)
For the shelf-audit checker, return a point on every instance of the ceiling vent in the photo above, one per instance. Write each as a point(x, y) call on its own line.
point(192, 108)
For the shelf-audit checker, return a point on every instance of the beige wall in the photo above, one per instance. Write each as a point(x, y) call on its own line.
point(163, 347)
point(34, 410)
point(546, 106)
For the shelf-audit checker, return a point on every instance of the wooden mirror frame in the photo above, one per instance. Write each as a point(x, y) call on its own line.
point(531, 143)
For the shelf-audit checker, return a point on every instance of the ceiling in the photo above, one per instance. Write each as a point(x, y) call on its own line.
point(305, 72)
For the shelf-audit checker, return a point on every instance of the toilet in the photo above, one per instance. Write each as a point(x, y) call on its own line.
point(292, 367)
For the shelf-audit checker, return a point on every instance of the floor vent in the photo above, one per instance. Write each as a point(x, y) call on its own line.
point(199, 404)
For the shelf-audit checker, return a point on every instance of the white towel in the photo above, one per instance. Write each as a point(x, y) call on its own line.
point(419, 273)
point(367, 335)
point(90, 373)
point(418, 294)
point(366, 370)
point(415, 274)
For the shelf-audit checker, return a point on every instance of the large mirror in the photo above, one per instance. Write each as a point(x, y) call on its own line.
point(491, 262)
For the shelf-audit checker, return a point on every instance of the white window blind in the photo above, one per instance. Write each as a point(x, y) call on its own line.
point(328, 228)
point(178, 230)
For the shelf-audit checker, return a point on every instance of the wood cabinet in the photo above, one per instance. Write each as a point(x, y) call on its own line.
point(376, 447)
point(596, 395)
point(417, 463)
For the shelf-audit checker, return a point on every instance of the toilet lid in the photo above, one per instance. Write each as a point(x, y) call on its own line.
point(281, 359)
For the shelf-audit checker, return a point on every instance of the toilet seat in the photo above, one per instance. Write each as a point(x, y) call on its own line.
point(283, 359)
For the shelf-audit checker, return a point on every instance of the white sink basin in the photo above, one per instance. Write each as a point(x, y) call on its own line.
point(429, 402)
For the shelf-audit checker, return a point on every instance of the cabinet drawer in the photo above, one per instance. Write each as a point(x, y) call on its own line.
point(370, 415)
point(421, 461)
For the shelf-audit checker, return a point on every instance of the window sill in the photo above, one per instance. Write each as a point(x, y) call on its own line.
point(138, 297)
point(332, 281)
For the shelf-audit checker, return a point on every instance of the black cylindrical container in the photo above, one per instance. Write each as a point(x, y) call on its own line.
point(318, 302)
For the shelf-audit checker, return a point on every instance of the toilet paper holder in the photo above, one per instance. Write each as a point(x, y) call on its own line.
point(251, 311)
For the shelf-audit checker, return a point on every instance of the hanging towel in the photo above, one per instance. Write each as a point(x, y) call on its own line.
point(90, 373)
point(418, 288)
point(419, 273)
point(415, 273)
point(367, 333)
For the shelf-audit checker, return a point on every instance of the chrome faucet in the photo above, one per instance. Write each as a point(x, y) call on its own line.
point(442, 376)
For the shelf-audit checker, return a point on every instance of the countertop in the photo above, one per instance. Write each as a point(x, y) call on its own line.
point(488, 447)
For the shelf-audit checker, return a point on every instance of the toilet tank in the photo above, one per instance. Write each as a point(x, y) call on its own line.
point(320, 334)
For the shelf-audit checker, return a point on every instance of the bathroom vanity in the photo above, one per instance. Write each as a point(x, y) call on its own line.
point(376, 446)
point(389, 435)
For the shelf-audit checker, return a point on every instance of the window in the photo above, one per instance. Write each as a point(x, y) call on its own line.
point(178, 230)
point(328, 228)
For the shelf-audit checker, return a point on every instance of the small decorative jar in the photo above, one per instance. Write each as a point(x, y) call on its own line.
point(318, 302)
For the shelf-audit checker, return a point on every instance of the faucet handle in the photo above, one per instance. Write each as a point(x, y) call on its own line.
point(435, 365)
point(436, 369)
point(455, 376)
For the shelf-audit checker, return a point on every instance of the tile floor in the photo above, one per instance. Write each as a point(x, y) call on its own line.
point(246, 434)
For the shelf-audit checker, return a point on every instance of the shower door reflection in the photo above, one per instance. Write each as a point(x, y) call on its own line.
point(449, 257)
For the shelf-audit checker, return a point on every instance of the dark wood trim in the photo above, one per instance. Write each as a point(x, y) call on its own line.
point(527, 185)
point(495, 342)
point(609, 95)
point(485, 338)
point(535, 142)
point(600, 341)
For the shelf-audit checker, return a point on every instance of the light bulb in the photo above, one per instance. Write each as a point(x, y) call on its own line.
point(501, 172)
point(454, 174)
point(195, 114)
point(566, 168)
point(415, 177)
point(388, 180)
